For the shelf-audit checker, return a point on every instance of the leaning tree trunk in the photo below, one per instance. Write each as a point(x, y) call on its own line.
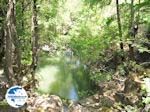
point(10, 33)
point(34, 40)
point(119, 26)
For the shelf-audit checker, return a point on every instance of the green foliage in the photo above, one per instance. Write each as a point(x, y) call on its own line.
point(146, 100)
point(82, 26)
point(146, 88)
point(129, 66)
point(144, 4)
point(102, 3)
point(101, 76)
point(85, 93)
point(87, 36)
point(130, 108)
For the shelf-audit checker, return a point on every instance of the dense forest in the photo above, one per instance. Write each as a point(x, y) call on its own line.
point(76, 55)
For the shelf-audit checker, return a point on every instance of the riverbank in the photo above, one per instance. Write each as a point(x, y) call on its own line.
point(113, 96)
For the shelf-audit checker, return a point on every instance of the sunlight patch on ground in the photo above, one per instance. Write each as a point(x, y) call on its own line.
point(47, 76)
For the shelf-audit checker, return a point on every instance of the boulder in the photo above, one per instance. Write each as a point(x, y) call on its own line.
point(44, 103)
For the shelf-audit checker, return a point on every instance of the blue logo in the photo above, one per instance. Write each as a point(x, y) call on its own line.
point(16, 96)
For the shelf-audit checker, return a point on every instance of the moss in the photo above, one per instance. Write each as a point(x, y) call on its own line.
point(3, 105)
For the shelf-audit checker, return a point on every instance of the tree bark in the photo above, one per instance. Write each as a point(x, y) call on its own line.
point(1, 45)
point(22, 11)
point(119, 26)
point(17, 51)
point(34, 40)
point(10, 32)
point(1, 37)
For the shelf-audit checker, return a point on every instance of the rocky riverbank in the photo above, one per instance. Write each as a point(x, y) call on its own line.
point(121, 94)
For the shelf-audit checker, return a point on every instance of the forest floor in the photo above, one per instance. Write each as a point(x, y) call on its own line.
point(128, 93)
point(121, 94)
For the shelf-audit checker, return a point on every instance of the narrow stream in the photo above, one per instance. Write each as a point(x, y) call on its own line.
point(61, 77)
point(54, 81)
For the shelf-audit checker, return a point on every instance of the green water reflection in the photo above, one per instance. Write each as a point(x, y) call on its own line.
point(61, 77)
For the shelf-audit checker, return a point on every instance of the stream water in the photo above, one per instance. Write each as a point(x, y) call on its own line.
point(64, 78)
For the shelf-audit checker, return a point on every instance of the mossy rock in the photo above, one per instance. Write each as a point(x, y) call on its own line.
point(106, 102)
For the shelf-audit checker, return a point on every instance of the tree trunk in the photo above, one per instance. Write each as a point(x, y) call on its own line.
point(17, 51)
point(119, 26)
point(1, 45)
point(3, 10)
point(22, 11)
point(34, 40)
point(131, 25)
point(1, 37)
point(10, 33)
